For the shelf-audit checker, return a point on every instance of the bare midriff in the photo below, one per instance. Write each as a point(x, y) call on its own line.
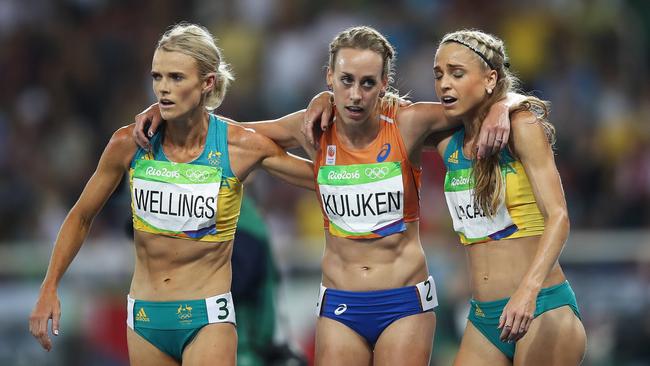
point(168, 269)
point(374, 264)
point(496, 268)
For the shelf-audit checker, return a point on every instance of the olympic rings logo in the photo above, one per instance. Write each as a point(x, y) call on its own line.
point(197, 175)
point(376, 172)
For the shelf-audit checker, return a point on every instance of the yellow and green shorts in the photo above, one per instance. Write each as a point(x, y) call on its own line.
point(171, 325)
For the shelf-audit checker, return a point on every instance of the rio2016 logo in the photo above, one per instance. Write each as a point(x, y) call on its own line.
point(163, 172)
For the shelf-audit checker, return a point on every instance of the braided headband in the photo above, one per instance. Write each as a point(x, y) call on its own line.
point(475, 51)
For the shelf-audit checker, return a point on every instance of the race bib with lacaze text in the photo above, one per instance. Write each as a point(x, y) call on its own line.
point(469, 219)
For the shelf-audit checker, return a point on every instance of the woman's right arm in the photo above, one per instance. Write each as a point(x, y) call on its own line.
point(113, 163)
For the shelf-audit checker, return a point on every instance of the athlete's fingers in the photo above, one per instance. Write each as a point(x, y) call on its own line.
point(507, 327)
point(490, 143)
point(326, 119)
point(142, 126)
point(138, 131)
point(41, 334)
point(503, 138)
point(156, 121)
point(485, 145)
point(522, 331)
point(56, 317)
point(526, 325)
point(498, 141)
point(307, 128)
point(514, 331)
point(505, 333)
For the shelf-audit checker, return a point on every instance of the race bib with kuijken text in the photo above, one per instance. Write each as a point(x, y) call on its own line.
point(470, 222)
point(176, 198)
point(363, 200)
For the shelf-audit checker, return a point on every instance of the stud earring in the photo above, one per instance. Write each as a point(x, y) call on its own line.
point(382, 93)
point(489, 91)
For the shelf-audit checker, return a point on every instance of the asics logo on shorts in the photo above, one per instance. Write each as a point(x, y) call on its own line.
point(341, 309)
point(376, 172)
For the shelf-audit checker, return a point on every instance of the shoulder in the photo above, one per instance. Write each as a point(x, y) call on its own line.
point(121, 147)
point(246, 138)
point(123, 139)
point(528, 133)
point(525, 125)
point(418, 113)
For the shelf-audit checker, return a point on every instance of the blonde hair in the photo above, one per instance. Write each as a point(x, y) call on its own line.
point(196, 41)
point(488, 183)
point(368, 38)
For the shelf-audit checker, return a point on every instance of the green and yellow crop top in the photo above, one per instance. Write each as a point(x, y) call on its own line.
point(199, 200)
point(517, 217)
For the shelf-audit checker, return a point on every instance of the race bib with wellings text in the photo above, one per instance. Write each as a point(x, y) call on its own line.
point(176, 198)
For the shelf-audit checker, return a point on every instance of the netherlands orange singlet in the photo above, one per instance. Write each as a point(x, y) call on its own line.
point(371, 192)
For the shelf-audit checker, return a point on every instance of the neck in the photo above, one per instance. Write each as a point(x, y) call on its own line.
point(358, 135)
point(188, 131)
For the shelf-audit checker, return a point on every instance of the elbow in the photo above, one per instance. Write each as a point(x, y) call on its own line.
point(81, 219)
point(560, 219)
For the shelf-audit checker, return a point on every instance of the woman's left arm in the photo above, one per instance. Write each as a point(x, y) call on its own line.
point(422, 119)
point(254, 150)
point(534, 151)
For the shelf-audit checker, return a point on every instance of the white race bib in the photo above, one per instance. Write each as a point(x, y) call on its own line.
point(363, 199)
point(175, 197)
point(469, 220)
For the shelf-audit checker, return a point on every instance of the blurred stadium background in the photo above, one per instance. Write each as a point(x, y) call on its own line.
point(73, 71)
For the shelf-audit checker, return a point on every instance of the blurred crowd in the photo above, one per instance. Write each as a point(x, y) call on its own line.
point(73, 71)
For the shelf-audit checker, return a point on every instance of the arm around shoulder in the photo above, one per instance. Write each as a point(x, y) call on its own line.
point(255, 150)
point(284, 131)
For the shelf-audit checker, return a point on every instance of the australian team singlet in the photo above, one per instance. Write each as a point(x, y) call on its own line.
point(199, 200)
point(517, 215)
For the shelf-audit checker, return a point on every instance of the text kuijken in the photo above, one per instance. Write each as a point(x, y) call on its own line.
point(362, 204)
point(168, 203)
